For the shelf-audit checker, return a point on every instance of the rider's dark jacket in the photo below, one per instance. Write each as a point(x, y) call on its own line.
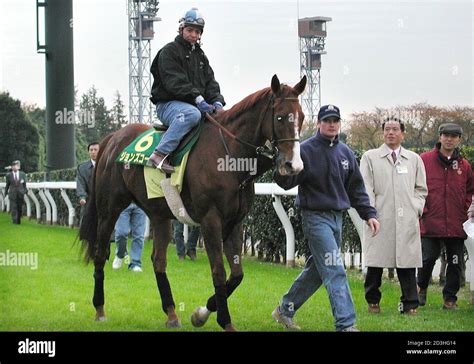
point(182, 72)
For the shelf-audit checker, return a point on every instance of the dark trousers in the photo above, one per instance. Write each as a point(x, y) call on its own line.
point(407, 278)
point(431, 248)
point(178, 237)
point(16, 205)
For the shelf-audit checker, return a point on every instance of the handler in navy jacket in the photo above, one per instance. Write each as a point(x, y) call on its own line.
point(329, 184)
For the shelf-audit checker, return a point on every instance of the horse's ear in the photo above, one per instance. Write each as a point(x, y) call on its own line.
point(300, 86)
point(275, 84)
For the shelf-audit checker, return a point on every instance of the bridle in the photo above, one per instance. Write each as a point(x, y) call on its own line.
point(263, 150)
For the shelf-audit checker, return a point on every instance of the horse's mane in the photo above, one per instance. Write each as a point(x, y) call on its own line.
point(249, 101)
point(245, 104)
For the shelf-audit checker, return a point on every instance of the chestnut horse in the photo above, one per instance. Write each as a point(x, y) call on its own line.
point(216, 199)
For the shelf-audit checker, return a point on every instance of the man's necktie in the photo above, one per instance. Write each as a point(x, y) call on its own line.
point(394, 157)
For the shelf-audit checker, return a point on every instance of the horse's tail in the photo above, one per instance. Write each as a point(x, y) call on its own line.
point(89, 224)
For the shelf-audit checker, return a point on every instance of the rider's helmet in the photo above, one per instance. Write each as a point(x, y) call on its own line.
point(192, 17)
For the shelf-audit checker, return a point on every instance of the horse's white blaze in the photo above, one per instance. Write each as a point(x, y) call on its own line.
point(297, 162)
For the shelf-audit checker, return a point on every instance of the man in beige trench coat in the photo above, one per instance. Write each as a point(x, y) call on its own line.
point(395, 180)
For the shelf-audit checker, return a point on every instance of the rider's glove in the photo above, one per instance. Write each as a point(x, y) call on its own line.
point(218, 105)
point(203, 106)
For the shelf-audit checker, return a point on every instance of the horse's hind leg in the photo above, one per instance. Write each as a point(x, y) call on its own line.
point(110, 205)
point(233, 253)
point(161, 238)
point(106, 226)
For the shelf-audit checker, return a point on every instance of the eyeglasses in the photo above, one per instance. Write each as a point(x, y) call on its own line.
point(192, 20)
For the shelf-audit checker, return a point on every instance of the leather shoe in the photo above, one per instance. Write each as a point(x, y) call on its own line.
point(159, 161)
point(374, 308)
point(450, 305)
point(410, 312)
point(422, 296)
point(192, 255)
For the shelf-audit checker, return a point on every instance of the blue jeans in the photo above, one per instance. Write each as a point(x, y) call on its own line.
point(178, 238)
point(131, 219)
point(323, 229)
point(180, 117)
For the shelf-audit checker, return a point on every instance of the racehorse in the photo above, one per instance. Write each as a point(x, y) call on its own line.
point(265, 125)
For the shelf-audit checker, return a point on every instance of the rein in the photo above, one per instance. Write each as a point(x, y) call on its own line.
point(264, 150)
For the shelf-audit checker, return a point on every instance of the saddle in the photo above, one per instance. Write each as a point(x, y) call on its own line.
point(187, 138)
point(186, 144)
point(139, 151)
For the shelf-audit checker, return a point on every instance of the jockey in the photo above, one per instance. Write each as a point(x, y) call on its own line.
point(183, 87)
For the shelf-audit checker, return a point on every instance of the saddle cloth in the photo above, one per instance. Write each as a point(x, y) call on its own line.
point(138, 152)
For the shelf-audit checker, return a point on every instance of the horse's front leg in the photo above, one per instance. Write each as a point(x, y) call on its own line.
point(233, 253)
point(211, 228)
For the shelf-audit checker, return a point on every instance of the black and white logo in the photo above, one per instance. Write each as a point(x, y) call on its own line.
point(345, 164)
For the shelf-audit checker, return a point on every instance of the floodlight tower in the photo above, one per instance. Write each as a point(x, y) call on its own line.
point(141, 16)
point(312, 36)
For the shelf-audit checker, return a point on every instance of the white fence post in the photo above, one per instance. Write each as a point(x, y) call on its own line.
point(46, 205)
point(54, 208)
point(71, 210)
point(37, 204)
point(469, 242)
point(275, 191)
point(360, 227)
point(2, 199)
point(289, 232)
point(147, 228)
point(28, 205)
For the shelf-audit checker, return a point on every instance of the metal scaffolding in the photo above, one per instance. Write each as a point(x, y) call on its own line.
point(141, 16)
point(312, 37)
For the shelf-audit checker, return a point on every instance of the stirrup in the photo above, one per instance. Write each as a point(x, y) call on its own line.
point(160, 165)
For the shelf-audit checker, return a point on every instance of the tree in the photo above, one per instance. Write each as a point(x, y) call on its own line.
point(37, 116)
point(365, 130)
point(94, 119)
point(19, 138)
point(421, 125)
point(118, 116)
point(308, 129)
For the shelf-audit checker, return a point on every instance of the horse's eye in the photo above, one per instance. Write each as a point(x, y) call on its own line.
point(279, 118)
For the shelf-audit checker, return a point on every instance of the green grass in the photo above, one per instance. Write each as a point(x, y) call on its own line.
point(57, 296)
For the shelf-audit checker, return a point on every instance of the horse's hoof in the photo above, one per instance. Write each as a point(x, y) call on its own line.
point(230, 328)
point(200, 316)
point(173, 324)
point(100, 318)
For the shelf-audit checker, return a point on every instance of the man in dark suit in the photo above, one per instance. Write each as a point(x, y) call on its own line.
point(84, 176)
point(16, 190)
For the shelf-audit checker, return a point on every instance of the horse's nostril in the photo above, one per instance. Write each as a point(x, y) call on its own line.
point(288, 164)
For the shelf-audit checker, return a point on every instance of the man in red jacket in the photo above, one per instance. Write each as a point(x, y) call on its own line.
point(450, 189)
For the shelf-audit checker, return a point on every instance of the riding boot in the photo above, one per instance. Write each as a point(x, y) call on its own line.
point(159, 161)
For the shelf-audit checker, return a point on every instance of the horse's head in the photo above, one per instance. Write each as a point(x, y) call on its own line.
point(286, 125)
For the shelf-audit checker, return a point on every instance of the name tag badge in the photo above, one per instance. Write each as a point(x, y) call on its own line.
point(402, 169)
